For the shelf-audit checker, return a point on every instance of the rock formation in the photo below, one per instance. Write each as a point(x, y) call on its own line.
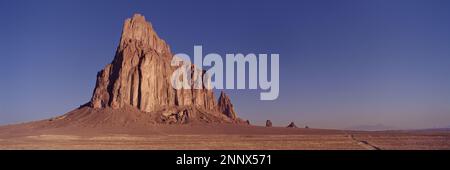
point(140, 77)
point(291, 125)
point(268, 123)
point(225, 106)
point(247, 122)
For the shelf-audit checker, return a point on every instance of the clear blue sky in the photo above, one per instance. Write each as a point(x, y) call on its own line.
point(342, 63)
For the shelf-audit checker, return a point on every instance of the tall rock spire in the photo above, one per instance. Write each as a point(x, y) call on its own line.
point(139, 76)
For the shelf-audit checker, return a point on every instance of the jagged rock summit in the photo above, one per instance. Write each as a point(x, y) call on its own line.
point(225, 106)
point(140, 75)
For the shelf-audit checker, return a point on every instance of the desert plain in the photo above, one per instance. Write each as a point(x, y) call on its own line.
point(213, 137)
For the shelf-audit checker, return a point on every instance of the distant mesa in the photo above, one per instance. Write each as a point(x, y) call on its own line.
point(292, 125)
point(268, 123)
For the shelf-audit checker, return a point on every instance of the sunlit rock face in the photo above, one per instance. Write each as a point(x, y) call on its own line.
point(140, 76)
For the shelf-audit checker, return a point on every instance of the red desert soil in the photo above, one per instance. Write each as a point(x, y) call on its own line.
point(87, 128)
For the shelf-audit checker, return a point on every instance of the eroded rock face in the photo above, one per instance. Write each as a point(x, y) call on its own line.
point(140, 76)
point(225, 106)
point(176, 116)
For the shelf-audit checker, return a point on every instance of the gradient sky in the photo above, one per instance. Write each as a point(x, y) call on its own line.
point(342, 63)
